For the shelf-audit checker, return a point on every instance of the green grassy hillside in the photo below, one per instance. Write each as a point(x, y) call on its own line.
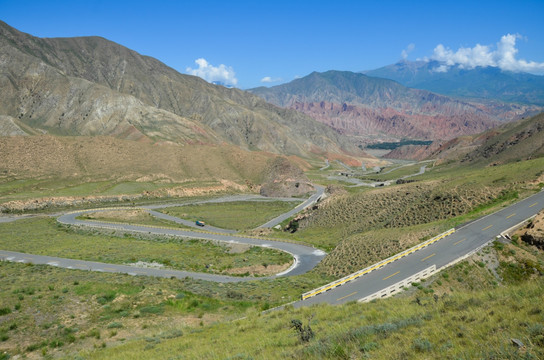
point(460, 314)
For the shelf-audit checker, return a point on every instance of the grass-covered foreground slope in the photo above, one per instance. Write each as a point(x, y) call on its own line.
point(48, 311)
point(472, 310)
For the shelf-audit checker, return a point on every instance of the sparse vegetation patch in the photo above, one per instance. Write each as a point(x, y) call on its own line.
point(43, 236)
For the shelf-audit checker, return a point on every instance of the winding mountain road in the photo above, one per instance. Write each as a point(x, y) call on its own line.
point(451, 248)
point(305, 257)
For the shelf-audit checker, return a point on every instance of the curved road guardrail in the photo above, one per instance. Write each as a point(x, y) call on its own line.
point(392, 290)
point(371, 268)
point(457, 246)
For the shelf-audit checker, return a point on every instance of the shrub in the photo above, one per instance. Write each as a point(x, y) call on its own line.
point(305, 332)
point(105, 298)
point(115, 325)
point(422, 345)
point(33, 347)
point(56, 343)
point(231, 294)
point(498, 246)
point(152, 309)
point(70, 338)
point(172, 334)
point(94, 333)
point(5, 311)
point(369, 347)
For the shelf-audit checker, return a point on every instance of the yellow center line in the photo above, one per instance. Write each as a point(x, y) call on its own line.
point(428, 257)
point(343, 297)
point(379, 265)
point(385, 278)
point(487, 227)
point(533, 204)
point(460, 241)
point(509, 216)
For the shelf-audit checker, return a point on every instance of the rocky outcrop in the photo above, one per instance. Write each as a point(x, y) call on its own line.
point(533, 234)
point(361, 120)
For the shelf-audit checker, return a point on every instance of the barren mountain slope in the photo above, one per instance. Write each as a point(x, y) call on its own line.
point(360, 105)
point(102, 157)
point(91, 85)
point(520, 140)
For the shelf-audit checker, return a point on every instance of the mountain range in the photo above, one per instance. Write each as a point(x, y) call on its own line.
point(481, 82)
point(377, 108)
point(92, 86)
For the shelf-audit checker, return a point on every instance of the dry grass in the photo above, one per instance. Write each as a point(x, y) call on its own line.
point(400, 206)
point(47, 166)
point(361, 250)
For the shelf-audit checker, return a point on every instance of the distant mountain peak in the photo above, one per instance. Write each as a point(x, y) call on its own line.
point(487, 82)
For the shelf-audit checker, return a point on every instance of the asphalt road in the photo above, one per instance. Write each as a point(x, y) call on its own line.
point(441, 253)
point(358, 182)
point(320, 190)
point(305, 257)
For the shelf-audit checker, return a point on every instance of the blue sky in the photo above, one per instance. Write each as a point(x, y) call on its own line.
point(277, 41)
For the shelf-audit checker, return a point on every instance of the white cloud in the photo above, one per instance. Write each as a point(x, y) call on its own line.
point(503, 55)
point(221, 74)
point(268, 79)
point(441, 69)
point(404, 53)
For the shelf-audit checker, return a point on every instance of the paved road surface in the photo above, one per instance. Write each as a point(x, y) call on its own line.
point(305, 257)
point(320, 190)
point(441, 253)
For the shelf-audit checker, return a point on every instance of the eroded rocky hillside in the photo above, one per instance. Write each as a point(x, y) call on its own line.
point(368, 107)
point(92, 86)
